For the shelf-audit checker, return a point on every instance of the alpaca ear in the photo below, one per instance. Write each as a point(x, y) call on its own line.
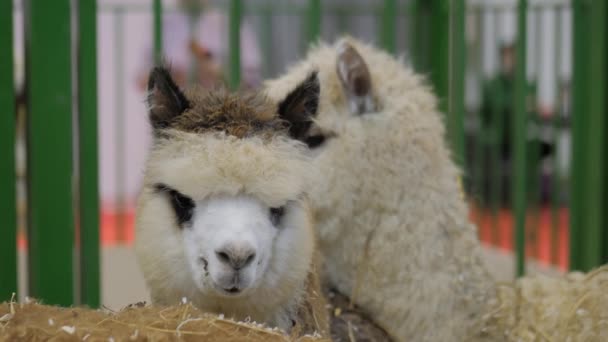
point(300, 106)
point(355, 78)
point(165, 99)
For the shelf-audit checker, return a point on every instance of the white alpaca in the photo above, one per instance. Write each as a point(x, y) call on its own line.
point(223, 219)
point(393, 225)
point(393, 222)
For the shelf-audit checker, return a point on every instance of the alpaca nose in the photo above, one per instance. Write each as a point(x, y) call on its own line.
point(236, 257)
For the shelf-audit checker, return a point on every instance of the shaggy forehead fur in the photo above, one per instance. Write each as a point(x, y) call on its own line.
point(229, 144)
point(200, 165)
point(239, 115)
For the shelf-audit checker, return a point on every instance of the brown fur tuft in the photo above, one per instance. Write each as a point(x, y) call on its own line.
point(239, 115)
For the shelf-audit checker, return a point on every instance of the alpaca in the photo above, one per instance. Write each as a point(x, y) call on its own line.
point(223, 219)
point(392, 222)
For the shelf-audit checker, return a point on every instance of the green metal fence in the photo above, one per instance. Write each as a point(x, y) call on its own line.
point(63, 208)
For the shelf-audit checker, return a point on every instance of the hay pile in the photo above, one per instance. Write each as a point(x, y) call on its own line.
point(35, 322)
point(573, 307)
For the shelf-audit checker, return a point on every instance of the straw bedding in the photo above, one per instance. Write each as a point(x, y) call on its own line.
point(33, 321)
point(36, 322)
point(573, 307)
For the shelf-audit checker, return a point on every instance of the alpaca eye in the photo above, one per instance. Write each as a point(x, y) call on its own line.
point(276, 214)
point(315, 141)
point(182, 205)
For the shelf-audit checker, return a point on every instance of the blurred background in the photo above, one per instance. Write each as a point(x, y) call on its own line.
point(495, 82)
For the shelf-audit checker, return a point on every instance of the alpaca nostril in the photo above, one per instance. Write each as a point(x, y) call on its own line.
point(236, 258)
point(249, 259)
point(223, 256)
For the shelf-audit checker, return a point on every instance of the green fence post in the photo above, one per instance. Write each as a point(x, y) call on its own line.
point(8, 226)
point(51, 216)
point(455, 119)
point(87, 135)
point(439, 50)
point(158, 31)
point(389, 26)
point(519, 141)
point(587, 231)
point(235, 43)
point(596, 135)
point(421, 35)
point(447, 67)
point(579, 108)
point(314, 20)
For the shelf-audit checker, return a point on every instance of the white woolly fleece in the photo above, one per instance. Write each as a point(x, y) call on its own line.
point(392, 223)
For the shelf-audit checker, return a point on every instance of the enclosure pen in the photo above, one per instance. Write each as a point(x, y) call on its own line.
point(589, 229)
point(520, 140)
point(8, 181)
point(88, 154)
point(314, 20)
point(49, 144)
point(389, 26)
point(157, 28)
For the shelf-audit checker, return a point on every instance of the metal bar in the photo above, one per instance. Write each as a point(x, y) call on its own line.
point(158, 31)
point(88, 163)
point(447, 71)
point(439, 50)
point(389, 26)
point(8, 180)
point(314, 20)
point(455, 119)
point(519, 140)
point(421, 35)
point(595, 77)
point(235, 43)
point(51, 216)
point(579, 150)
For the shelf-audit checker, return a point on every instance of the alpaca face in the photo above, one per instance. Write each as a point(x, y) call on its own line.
point(229, 242)
point(223, 211)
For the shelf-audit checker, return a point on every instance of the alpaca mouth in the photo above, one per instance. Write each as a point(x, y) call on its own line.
point(233, 290)
point(229, 291)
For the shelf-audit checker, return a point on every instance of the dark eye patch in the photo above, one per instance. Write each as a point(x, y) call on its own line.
point(276, 214)
point(315, 141)
point(182, 205)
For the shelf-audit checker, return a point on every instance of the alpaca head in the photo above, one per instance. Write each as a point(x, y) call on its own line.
point(223, 211)
point(377, 133)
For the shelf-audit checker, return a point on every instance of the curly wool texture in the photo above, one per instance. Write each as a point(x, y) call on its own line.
point(392, 223)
